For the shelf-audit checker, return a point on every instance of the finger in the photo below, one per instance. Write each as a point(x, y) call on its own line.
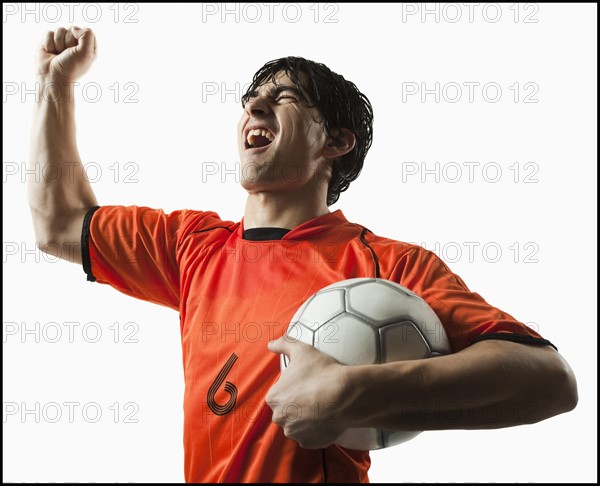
point(86, 41)
point(271, 399)
point(277, 415)
point(284, 345)
point(48, 42)
point(59, 39)
point(70, 39)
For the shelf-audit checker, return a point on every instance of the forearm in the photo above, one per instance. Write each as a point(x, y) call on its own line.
point(490, 384)
point(58, 187)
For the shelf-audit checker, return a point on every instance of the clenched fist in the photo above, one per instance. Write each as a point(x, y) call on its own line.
point(66, 54)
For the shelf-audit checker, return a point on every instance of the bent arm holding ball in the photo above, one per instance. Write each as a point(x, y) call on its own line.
point(490, 384)
point(59, 192)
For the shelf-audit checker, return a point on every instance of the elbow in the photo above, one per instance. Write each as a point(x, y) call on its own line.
point(568, 396)
point(45, 238)
point(551, 390)
point(47, 245)
point(42, 229)
point(561, 389)
point(59, 237)
point(42, 238)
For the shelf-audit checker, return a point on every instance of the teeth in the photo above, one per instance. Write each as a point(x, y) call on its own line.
point(259, 131)
point(267, 134)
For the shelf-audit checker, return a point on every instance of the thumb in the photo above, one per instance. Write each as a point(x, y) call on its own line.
point(284, 345)
point(86, 40)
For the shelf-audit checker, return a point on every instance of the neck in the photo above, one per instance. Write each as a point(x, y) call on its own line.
point(282, 209)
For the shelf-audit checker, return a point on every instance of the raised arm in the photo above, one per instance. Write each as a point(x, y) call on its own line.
point(60, 194)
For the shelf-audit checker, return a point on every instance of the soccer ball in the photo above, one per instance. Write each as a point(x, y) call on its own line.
point(369, 321)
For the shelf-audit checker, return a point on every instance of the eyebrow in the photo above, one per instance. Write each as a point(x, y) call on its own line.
point(275, 92)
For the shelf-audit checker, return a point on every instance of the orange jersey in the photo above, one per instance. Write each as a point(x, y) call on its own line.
point(234, 295)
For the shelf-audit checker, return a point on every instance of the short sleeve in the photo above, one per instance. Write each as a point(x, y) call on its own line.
point(134, 249)
point(467, 318)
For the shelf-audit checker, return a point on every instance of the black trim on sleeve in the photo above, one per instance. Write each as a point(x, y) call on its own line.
point(85, 240)
point(518, 338)
point(375, 259)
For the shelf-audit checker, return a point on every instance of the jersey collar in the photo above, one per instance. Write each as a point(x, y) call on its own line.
point(309, 228)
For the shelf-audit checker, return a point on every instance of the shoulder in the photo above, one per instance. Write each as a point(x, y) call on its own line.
point(203, 228)
point(397, 257)
point(195, 221)
point(391, 247)
point(155, 221)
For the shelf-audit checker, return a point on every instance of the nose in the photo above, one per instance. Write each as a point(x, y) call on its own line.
point(257, 106)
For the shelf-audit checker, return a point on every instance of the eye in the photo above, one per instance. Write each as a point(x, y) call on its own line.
point(286, 97)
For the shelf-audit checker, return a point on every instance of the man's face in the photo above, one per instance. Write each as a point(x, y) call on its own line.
point(280, 139)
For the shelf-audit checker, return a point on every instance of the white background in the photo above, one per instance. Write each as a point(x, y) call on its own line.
point(177, 131)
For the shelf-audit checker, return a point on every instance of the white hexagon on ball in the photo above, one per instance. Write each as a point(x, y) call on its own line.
point(349, 339)
point(321, 307)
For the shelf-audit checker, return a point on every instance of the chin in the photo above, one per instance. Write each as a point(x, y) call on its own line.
point(251, 180)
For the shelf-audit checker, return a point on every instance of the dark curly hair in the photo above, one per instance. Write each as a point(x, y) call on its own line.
point(340, 104)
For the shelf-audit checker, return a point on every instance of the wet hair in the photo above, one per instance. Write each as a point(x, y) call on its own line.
point(340, 104)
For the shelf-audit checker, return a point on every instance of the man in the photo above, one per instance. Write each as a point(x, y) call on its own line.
point(303, 136)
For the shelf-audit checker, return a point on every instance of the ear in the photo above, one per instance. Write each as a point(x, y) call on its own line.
point(339, 143)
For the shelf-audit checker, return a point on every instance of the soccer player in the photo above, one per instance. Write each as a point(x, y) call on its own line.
point(303, 136)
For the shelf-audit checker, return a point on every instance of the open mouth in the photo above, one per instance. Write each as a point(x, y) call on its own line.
point(258, 138)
